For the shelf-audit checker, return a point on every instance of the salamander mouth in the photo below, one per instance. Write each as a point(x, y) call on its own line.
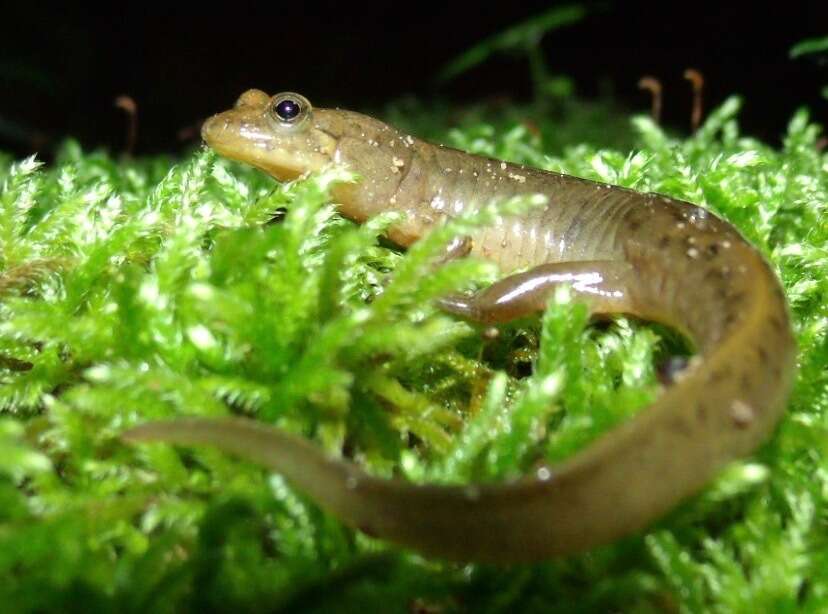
point(226, 136)
point(217, 133)
point(243, 135)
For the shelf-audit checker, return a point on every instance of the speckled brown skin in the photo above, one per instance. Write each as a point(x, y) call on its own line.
point(623, 251)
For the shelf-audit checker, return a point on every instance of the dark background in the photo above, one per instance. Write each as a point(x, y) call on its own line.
point(60, 69)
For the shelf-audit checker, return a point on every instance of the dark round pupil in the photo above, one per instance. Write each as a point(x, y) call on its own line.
point(287, 109)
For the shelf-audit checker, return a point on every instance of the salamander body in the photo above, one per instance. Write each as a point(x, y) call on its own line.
point(622, 251)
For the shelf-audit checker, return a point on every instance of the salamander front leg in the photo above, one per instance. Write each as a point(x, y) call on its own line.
point(603, 284)
point(459, 247)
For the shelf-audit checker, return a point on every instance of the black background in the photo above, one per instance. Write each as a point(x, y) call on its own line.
point(60, 69)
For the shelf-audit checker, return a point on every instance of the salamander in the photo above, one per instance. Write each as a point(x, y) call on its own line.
point(621, 251)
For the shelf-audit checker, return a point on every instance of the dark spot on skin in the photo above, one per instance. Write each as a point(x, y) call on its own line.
point(669, 369)
point(745, 383)
point(776, 323)
point(634, 224)
point(679, 426)
point(715, 276)
point(734, 298)
point(701, 413)
point(763, 354)
point(664, 241)
point(712, 250)
point(719, 375)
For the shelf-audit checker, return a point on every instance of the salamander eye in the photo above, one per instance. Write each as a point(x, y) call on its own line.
point(287, 109)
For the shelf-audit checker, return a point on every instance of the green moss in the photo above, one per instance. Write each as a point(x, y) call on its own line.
point(142, 289)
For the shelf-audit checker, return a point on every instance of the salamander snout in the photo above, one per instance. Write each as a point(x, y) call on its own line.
point(210, 127)
point(275, 133)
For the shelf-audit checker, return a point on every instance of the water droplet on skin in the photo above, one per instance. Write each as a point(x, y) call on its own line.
point(742, 414)
point(352, 482)
point(544, 474)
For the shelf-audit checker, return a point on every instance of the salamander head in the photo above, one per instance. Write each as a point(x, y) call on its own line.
point(273, 133)
point(286, 137)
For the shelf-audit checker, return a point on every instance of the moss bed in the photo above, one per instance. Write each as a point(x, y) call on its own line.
point(137, 289)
